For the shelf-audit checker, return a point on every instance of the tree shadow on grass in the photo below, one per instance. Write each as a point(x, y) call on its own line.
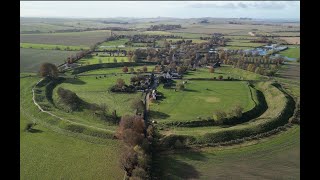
point(35, 131)
point(74, 81)
point(160, 96)
point(158, 115)
point(167, 167)
point(190, 90)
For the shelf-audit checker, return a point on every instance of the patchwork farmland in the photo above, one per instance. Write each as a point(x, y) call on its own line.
point(148, 99)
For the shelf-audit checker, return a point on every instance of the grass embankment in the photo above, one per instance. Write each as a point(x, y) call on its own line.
point(277, 157)
point(51, 152)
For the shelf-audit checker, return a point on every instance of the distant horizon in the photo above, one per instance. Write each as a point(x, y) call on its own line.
point(164, 9)
point(70, 17)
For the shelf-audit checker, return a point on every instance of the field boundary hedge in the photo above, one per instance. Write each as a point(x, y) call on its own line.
point(67, 124)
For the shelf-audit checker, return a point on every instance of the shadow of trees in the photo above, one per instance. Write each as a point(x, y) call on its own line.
point(74, 81)
point(171, 167)
point(158, 115)
point(35, 131)
point(190, 90)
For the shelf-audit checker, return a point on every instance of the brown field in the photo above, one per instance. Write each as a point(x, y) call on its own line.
point(291, 40)
point(86, 38)
point(290, 71)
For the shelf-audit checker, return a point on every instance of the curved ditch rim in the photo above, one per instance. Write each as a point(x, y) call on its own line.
point(288, 107)
point(64, 119)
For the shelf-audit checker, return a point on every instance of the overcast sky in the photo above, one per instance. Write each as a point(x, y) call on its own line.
point(179, 9)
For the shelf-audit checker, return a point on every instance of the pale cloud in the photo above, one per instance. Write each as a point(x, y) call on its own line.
point(179, 9)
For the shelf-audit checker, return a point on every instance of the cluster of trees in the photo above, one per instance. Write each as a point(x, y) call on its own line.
point(118, 52)
point(73, 58)
point(140, 82)
point(121, 86)
point(136, 158)
point(48, 70)
point(260, 65)
point(163, 27)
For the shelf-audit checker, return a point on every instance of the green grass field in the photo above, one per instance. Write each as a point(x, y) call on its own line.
point(275, 101)
point(115, 42)
point(195, 101)
point(114, 70)
point(291, 52)
point(156, 33)
point(98, 60)
point(237, 47)
point(277, 157)
point(193, 40)
point(56, 151)
point(50, 153)
point(190, 35)
point(93, 90)
point(86, 38)
point(225, 71)
point(52, 47)
point(31, 59)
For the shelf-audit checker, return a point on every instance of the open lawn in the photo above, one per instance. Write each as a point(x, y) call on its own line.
point(276, 103)
point(237, 47)
point(114, 70)
point(200, 99)
point(86, 38)
point(31, 59)
point(53, 47)
point(291, 52)
point(48, 153)
point(190, 35)
point(93, 90)
point(98, 60)
point(225, 71)
point(277, 157)
point(193, 40)
point(115, 42)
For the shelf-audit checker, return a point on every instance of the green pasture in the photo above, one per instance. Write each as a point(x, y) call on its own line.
point(200, 99)
point(225, 71)
point(93, 90)
point(276, 103)
point(115, 70)
point(50, 153)
point(115, 42)
point(277, 157)
point(193, 40)
point(98, 59)
point(291, 52)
